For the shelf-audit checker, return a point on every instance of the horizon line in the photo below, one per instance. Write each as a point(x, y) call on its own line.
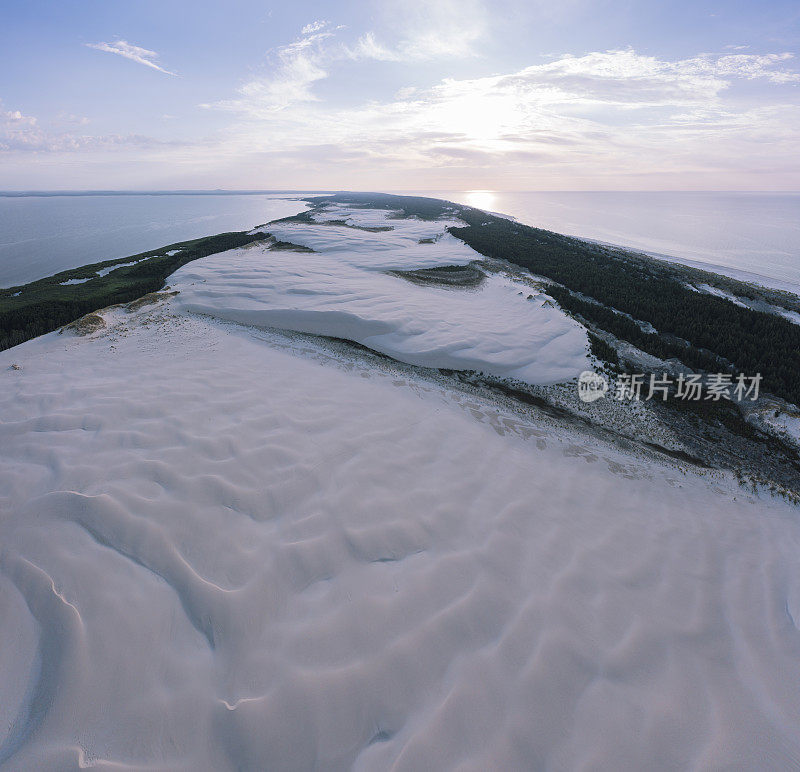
point(404, 191)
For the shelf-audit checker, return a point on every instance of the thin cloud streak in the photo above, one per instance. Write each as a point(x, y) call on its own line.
point(134, 53)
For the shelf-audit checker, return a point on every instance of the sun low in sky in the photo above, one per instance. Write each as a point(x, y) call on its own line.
point(515, 95)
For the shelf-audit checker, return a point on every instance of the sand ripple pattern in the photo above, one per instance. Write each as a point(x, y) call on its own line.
point(220, 555)
point(345, 289)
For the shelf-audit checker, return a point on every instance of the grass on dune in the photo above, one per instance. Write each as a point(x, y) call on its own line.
point(45, 305)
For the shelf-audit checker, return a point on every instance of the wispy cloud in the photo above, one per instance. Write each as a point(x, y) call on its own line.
point(314, 26)
point(23, 133)
point(69, 119)
point(18, 130)
point(293, 70)
point(447, 28)
point(14, 118)
point(368, 47)
point(572, 121)
point(134, 53)
point(601, 115)
point(624, 78)
point(429, 31)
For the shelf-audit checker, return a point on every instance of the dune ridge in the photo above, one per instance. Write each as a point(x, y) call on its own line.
point(346, 289)
point(229, 547)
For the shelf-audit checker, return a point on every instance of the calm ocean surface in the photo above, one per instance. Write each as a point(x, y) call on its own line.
point(41, 235)
point(749, 235)
point(736, 233)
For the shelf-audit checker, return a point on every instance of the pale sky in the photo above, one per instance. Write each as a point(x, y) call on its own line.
point(416, 95)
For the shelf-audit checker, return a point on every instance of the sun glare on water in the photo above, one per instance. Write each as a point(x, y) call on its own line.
point(481, 199)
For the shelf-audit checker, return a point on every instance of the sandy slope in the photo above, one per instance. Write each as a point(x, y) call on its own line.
point(225, 548)
point(344, 290)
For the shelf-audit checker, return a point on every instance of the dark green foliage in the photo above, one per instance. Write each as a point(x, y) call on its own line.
point(602, 350)
point(47, 304)
point(706, 332)
point(409, 206)
point(288, 246)
point(662, 346)
point(715, 328)
point(463, 276)
point(300, 217)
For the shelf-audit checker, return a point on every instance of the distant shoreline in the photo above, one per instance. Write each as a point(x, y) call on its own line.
point(739, 274)
point(78, 193)
point(226, 192)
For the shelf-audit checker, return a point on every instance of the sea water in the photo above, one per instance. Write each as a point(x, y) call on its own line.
point(752, 235)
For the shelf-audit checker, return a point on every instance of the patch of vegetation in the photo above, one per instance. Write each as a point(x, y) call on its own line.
point(47, 304)
point(289, 247)
point(308, 219)
point(303, 217)
point(624, 328)
point(345, 224)
point(86, 325)
point(406, 206)
point(715, 328)
point(605, 352)
point(147, 300)
point(444, 276)
point(704, 331)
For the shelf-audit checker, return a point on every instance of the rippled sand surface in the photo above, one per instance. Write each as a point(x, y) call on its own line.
point(223, 548)
point(343, 289)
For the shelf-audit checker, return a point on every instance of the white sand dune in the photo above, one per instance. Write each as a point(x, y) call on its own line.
point(223, 548)
point(343, 290)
